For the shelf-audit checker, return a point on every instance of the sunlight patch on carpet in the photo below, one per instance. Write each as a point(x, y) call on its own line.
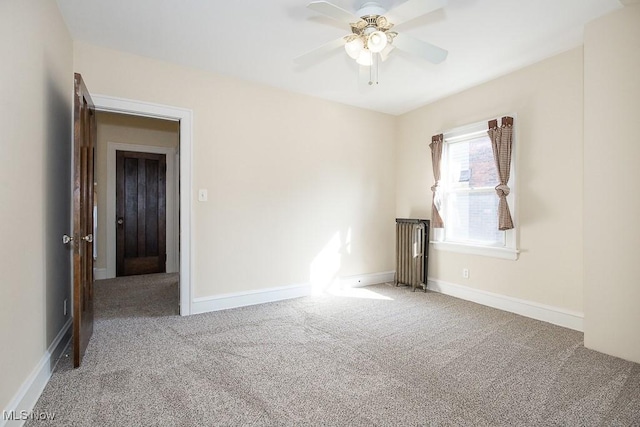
point(357, 293)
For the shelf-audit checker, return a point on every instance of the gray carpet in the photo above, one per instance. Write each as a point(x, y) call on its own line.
point(412, 359)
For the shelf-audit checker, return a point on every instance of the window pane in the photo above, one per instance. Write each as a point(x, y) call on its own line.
point(471, 164)
point(473, 217)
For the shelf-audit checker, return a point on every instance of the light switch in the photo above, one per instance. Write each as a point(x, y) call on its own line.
point(202, 195)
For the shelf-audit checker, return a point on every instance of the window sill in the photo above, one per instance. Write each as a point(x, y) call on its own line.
point(502, 253)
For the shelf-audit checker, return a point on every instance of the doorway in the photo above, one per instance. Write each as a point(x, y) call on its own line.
point(180, 163)
point(138, 193)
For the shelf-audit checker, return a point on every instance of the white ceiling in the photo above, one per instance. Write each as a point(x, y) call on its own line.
point(256, 40)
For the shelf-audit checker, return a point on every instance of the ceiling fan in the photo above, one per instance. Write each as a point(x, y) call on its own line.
point(371, 39)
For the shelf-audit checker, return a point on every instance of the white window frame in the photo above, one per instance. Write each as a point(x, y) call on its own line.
point(508, 250)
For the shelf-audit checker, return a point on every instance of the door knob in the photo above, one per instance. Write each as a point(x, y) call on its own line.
point(66, 239)
point(88, 238)
point(120, 221)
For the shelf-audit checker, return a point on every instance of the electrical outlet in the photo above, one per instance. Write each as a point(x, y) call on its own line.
point(465, 273)
point(65, 307)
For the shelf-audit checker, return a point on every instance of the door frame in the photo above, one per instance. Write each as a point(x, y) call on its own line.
point(185, 117)
point(172, 231)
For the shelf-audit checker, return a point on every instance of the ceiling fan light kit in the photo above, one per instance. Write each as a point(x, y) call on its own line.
point(370, 36)
point(371, 40)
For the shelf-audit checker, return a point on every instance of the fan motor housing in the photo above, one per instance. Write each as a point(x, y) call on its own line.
point(370, 8)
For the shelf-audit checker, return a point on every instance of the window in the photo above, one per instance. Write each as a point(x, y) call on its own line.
point(467, 196)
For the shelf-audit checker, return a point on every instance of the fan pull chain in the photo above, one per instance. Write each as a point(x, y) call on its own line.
point(373, 73)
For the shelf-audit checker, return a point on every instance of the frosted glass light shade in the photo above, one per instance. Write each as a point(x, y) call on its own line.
point(377, 41)
point(365, 58)
point(354, 47)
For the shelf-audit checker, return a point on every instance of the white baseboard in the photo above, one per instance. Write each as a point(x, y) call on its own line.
point(242, 299)
point(29, 393)
point(100, 273)
point(555, 315)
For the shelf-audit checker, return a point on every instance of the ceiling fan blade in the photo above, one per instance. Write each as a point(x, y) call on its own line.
point(412, 9)
point(319, 52)
point(333, 11)
point(384, 55)
point(420, 48)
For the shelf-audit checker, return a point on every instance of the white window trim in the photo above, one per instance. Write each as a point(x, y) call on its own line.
point(510, 250)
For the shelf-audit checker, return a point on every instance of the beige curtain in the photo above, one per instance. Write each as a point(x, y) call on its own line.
point(436, 157)
point(502, 141)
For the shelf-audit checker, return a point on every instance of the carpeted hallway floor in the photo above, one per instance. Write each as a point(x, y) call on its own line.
point(392, 357)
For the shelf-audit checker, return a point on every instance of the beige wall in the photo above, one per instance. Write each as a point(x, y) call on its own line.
point(611, 201)
point(125, 129)
point(36, 83)
point(297, 186)
point(547, 98)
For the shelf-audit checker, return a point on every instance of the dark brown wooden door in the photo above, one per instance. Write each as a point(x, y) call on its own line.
point(140, 213)
point(84, 136)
